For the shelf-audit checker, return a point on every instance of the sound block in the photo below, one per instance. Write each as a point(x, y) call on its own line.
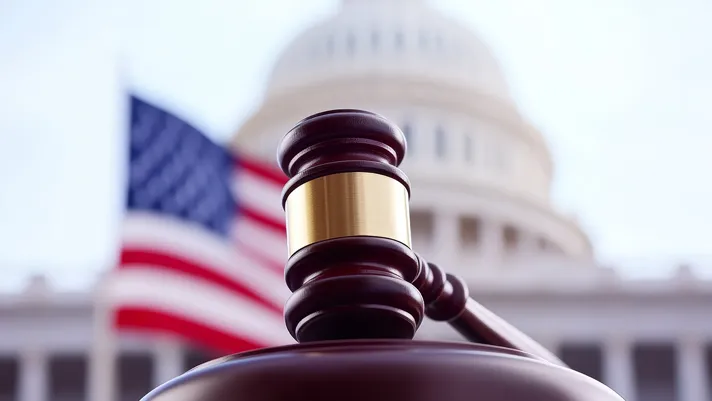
point(382, 370)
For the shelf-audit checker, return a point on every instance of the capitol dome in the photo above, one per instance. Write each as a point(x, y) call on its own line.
point(403, 38)
point(481, 174)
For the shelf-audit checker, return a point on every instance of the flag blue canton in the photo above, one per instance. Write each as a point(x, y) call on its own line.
point(176, 170)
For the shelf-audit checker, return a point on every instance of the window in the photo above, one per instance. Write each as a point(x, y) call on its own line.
point(422, 226)
point(314, 50)
point(499, 159)
point(655, 371)
point(511, 237)
point(439, 42)
point(330, 46)
point(469, 149)
point(584, 358)
point(423, 40)
point(350, 43)
point(135, 376)
point(375, 40)
point(68, 375)
point(542, 243)
point(9, 371)
point(440, 142)
point(194, 357)
point(399, 40)
point(469, 230)
point(408, 137)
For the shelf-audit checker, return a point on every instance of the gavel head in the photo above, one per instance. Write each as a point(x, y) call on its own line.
point(350, 264)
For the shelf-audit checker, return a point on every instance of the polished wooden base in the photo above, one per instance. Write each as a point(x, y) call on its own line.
point(382, 370)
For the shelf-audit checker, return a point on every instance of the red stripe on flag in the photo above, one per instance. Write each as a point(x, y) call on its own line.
point(261, 169)
point(264, 220)
point(139, 258)
point(140, 319)
point(263, 260)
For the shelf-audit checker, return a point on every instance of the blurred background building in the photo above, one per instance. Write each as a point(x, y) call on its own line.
point(481, 176)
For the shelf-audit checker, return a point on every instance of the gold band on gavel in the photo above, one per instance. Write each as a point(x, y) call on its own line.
point(346, 205)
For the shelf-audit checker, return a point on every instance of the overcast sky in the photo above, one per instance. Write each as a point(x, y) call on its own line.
point(620, 88)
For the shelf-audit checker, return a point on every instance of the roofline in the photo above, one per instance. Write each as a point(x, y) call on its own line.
point(398, 88)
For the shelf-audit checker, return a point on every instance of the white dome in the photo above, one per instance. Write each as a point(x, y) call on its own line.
point(481, 174)
point(399, 39)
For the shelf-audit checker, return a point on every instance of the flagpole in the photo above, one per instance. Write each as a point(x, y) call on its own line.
point(103, 375)
point(102, 363)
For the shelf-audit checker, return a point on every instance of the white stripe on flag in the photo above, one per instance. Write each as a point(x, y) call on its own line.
point(268, 243)
point(258, 194)
point(198, 301)
point(158, 233)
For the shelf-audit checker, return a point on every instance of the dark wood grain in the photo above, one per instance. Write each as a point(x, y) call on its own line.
point(382, 370)
point(447, 299)
point(357, 302)
point(352, 287)
point(341, 141)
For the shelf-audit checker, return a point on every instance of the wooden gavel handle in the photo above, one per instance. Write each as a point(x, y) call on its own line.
point(447, 299)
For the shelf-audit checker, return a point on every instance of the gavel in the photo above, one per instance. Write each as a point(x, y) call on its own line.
point(360, 292)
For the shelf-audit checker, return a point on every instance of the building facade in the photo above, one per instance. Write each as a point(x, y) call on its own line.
point(481, 177)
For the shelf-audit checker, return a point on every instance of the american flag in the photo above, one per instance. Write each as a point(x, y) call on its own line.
point(203, 244)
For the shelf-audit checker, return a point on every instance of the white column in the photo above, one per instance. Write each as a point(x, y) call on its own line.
point(33, 375)
point(102, 385)
point(446, 239)
point(168, 360)
point(619, 368)
point(492, 244)
point(691, 370)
